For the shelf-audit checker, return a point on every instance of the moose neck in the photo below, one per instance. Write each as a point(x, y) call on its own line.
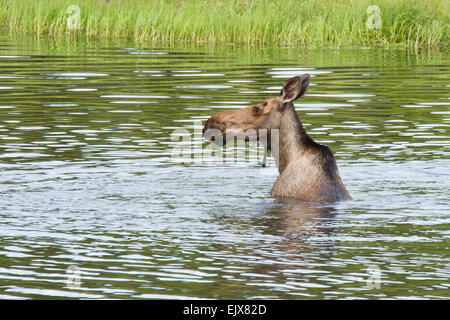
point(293, 138)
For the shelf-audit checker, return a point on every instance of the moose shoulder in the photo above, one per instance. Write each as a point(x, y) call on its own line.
point(308, 170)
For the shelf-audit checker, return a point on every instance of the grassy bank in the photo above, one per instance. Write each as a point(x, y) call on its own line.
point(312, 23)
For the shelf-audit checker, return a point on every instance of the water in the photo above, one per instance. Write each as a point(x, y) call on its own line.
point(92, 205)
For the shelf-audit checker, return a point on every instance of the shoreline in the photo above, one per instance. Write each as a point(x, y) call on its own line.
point(257, 23)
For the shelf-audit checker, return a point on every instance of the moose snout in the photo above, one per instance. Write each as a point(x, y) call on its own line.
point(211, 131)
point(210, 124)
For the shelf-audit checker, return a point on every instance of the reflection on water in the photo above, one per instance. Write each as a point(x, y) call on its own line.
point(86, 177)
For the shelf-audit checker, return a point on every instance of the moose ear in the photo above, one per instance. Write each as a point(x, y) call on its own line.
point(294, 88)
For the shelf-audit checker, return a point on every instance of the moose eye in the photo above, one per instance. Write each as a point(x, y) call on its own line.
point(255, 109)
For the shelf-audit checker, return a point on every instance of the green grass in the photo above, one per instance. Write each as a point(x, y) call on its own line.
point(296, 23)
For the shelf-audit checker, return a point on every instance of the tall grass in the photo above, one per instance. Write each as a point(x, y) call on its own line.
point(306, 23)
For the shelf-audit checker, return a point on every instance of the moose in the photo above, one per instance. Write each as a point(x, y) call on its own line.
point(307, 170)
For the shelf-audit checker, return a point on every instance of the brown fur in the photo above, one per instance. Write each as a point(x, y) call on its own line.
point(308, 170)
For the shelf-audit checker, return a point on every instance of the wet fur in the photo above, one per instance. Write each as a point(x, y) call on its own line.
point(308, 170)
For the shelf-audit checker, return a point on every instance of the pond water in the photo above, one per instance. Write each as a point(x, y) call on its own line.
point(92, 204)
